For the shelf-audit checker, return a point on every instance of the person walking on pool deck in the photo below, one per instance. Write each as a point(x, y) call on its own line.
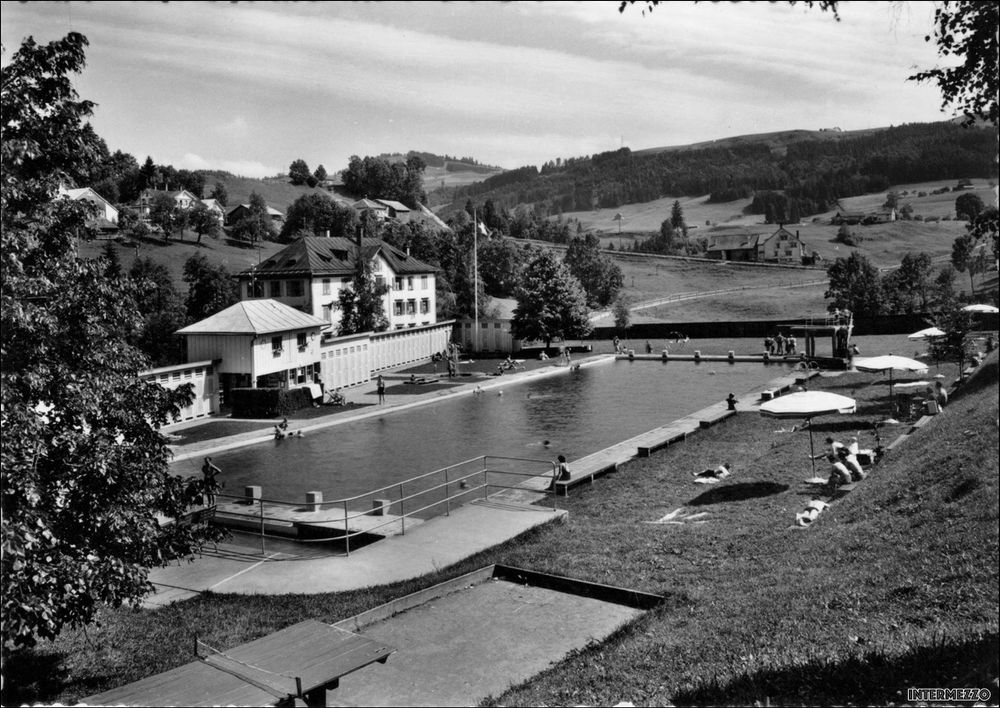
point(209, 470)
point(380, 387)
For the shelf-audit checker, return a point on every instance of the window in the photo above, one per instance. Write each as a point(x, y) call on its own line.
point(399, 283)
point(397, 307)
point(276, 346)
point(187, 373)
point(255, 289)
point(409, 283)
point(326, 286)
point(423, 282)
point(327, 313)
point(411, 307)
point(301, 338)
point(275, 288)
point(294, 288)
point(425, 306)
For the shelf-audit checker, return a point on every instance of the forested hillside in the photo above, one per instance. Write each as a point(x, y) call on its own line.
point(812, 173)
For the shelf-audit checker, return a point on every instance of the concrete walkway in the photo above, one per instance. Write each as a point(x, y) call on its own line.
point(431, 546)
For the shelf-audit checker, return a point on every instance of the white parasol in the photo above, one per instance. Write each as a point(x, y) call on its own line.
point(929, 333)
point(989, 309)
point(808, 405)
point(890, 363)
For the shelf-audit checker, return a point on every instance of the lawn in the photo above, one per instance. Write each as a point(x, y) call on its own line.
point(893, 587)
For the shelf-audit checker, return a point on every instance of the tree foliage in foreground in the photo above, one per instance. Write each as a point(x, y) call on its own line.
point(550, 302)
point(84, 469)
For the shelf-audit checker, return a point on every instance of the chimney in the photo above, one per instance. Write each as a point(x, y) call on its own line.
point(407, 250)
point(326, 233)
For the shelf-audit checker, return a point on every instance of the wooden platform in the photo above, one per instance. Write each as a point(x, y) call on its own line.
point(302, 661)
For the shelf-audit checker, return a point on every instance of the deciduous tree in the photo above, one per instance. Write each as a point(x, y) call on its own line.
point(84, 470)
point(256, 226)
point(550, 302)
point(600, 277)
point(298, 172)
point(855, 284)
point(968, 206)
point(211, 288)
point(203, 222)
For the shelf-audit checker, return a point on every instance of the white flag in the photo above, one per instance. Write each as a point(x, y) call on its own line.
point(482, 229)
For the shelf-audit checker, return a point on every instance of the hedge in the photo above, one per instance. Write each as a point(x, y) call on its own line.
point(268, 402)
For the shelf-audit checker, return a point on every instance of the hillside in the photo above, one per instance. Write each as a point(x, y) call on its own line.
point(811, 169)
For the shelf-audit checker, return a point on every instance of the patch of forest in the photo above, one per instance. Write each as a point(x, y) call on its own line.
point(812, 173)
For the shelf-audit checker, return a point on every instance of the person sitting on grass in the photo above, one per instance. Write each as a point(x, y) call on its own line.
point(839, 474)
point(719, 473)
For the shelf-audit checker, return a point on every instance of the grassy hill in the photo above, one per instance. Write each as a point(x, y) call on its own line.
point(778, 141)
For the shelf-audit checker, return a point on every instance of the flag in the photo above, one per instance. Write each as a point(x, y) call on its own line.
point(481, 227)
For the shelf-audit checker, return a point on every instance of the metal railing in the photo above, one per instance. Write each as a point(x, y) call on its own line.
point(384, 511)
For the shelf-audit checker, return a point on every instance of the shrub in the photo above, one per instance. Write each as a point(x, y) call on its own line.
point(268, 402)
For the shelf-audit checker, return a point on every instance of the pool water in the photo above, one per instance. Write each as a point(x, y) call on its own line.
point(578, 412)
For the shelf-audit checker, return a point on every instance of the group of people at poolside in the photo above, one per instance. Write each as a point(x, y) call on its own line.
point(281, 431)
point(780, 345)
point(844, 465)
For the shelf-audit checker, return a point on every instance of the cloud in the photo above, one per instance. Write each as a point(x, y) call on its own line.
point(240, 168)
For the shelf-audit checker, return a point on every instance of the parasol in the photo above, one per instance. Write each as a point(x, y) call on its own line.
point(808, 405)
point(890, 363)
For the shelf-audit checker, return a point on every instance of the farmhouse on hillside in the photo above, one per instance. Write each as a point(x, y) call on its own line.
point(106, 220)
point(239, 211)
point(397, 210)
point(183, 199)
point(781, 247)
point(733, 247)
point(378, 210)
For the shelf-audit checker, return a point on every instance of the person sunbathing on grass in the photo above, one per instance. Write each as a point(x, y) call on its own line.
point(714, 475)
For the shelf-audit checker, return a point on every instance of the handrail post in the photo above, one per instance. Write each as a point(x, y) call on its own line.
point(402, 516)
point(486, 481)
point(447, 494)
point(262, 551)
point(554, 492)
point(347, 531)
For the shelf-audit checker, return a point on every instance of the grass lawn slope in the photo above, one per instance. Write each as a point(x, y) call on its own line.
point(894, 586)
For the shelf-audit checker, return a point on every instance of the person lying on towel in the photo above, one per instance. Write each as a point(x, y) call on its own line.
point(712, 476)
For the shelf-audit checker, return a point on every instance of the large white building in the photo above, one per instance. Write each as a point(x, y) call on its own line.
point(310, 273)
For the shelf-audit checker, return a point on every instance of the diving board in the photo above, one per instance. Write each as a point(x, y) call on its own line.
point(302, 661)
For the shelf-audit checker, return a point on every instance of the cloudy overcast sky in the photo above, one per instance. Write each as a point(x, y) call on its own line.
point(250, 87)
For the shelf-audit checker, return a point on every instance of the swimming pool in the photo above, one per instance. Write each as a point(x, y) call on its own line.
point(579, 412)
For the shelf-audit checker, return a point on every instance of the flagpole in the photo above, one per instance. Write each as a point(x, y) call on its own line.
point(475, 281)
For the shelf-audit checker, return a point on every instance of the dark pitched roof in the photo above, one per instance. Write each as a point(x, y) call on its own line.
point(336, 256)
point(729, 242)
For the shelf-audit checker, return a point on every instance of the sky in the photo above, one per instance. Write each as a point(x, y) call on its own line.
point(250, 87)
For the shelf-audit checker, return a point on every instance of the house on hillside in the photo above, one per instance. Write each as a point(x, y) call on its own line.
point(380, 211)
point(397, 210)
point(217, 209)
point(239, 211)
point(309, 274)
point(847, 217)
point(106, 219)
point(733, 247)
point(781, 247)
point(182, 198)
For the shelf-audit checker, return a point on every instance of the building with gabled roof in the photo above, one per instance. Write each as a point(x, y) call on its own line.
point(781, 247)
point(397, 210)
point(380, 211)
point(310, 273)
point(733, 247)
point(241, 210)
point(106, 220)
point(258, 344)
point(182, 198)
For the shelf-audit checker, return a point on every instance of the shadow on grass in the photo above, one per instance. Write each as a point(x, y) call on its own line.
point(868, 679)
point(738, 492)
point(29, 676)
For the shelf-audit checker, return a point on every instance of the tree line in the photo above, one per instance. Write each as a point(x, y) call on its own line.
point(811, 173)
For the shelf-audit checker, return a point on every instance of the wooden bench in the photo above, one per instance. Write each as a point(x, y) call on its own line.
point(562, 487)
point(769, 394)
point(710, 420)
point(647, 450)
point(924, 420)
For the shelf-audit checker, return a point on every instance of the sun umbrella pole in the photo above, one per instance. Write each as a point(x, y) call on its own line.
point(812, 451)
